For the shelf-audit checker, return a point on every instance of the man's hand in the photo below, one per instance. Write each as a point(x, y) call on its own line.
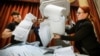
point(34, 20)
point(6, 33)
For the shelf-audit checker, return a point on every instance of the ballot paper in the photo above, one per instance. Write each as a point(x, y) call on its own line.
point(48, 27)
point(57, 11)
point(22, 50)
point(66, 51)
point(61, 3)
point(22, 30)
point(57, 18)
point(44, 32)
point(77, 54)
point(58, 25)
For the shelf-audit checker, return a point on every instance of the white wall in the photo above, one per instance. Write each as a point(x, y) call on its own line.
point(97, 2)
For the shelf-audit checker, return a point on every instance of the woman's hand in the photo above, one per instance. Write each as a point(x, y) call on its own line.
point(56, 36)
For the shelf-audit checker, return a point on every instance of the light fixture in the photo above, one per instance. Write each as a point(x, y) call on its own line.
point(71, 1)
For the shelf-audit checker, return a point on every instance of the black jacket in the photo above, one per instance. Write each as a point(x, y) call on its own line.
point(84, 35)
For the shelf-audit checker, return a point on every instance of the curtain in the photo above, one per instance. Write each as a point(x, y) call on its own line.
point(5, 16)
point(95, 18)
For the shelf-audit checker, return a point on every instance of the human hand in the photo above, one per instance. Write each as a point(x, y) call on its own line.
point(7, 35)
point(56, 36)
point(40, 20)
point(34, 20)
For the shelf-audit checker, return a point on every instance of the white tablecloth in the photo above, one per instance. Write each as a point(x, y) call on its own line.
point(34, 50)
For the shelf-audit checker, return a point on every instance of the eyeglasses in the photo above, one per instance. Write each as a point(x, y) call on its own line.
point(79, 12)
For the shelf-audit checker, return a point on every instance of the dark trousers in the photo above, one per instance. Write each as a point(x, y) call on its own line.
point(13, 41)
point(95, 52)
point(37, 35)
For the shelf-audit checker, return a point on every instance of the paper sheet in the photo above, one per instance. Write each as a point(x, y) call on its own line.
point(61, 3)
point(57, 19)
point(66, 51)
point(57, 25)
point(53, 10)
point(48, 27)
point(44, 33)
point(56, 11)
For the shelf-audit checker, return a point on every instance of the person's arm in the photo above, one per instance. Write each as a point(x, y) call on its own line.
point(8, 30)
point(6, 33)
point(84, 31)
point(70, 31)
